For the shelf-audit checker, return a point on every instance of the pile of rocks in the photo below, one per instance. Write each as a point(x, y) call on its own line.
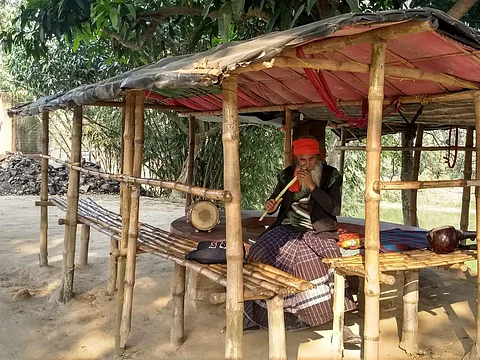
point(21, 175)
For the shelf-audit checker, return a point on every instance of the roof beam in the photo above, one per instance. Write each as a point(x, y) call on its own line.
point(383, 33)
point(410, 99)
point(353, 66)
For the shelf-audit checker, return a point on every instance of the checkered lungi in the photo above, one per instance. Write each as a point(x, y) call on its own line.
point(299, 254)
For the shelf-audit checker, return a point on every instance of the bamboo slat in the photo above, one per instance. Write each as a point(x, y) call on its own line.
point(175, 247)
point(221, 195)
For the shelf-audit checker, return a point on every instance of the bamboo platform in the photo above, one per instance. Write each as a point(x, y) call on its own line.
point(405, 260)
point(260, 280)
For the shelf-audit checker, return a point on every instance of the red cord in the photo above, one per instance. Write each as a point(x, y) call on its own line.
point(447, 158)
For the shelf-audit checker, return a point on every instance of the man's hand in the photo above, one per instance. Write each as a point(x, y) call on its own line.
point(272, 205)
point(305, 177)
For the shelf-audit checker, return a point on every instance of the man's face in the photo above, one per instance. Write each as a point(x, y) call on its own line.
point(307, 161)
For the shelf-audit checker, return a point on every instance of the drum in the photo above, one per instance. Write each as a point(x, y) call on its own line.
point(203, 215)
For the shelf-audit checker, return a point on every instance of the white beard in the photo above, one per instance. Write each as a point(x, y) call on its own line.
point(316, 173)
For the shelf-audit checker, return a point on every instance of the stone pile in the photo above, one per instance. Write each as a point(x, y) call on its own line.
point(21, 175)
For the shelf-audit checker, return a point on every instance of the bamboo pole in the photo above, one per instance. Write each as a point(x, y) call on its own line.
point(410, 313)
point(84, 242)
point(476, 100)
point(437, 184)
point(341, 161)
point(408, 99)
point(372, 201)
point(68, 264)
point(221, 195)
point(133, 223)
point(395, 72)
point(406, 148)
point(288, 138)
point(276, 329)
point(467, 175)
point(191, 158)
point(178, 321)
point(338, 316)
point(385, 33)
point(128, 135)
point(221, 298)
point(44, 193)
point(416, 170)
point(231, 175)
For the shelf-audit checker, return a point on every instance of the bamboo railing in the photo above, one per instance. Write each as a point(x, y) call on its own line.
point(222, 195)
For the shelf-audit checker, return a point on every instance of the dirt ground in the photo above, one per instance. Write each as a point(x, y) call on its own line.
point(37, 327)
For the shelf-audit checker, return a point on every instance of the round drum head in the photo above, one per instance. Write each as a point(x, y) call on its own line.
point(204, 215)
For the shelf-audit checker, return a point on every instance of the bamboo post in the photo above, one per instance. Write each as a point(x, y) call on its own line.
point(410, 313)
point(191, 155)
point(467, 175)
point(372, 201)
point(276, 329)
point(44, 193)
point(341, 161)
point(178, 321)
point(133, 223)
point(338, 316)
point(231, 175)
point(84, 242)
point(416, 170)
point(129, 128)
point(476, 99)
point(288, 137)
point(68, 263)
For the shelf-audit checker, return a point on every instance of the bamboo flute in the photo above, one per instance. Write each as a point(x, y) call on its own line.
point(279, 196)
point(43, 259)
point(231, 178)
point(372, 202)
point(128, 135)
point(467, 175)
point(416, 170)
point(133, 223)
point(68, 264)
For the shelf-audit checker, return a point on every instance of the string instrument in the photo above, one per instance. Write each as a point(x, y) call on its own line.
point(446, 239)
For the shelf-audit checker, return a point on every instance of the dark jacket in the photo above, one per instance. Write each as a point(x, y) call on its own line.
point(325, 200)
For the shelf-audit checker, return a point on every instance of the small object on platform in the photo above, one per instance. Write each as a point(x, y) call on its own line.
point(446, 239)
point(350, 241)
point(203, 215)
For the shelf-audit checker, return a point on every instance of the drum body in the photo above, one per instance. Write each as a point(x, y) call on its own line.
point(203, 215)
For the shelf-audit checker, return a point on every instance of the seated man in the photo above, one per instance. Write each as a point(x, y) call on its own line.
point(304, 233)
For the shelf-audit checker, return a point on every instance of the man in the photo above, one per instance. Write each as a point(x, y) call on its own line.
point(304, 233)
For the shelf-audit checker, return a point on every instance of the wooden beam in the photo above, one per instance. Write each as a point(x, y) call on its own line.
point(276, 329)
point(147, 106)
point(397, 72)
point(406, 148)
point(383, 33)
point(467, 175)
point(231, 175)
point(43, 258)
point(190, 160)
point(476, 101)
point(68, 264)
point(288, 156)
point(410, 99)
point(405, 185)
point(372, 202)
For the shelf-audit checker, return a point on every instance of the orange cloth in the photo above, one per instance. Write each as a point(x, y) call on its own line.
point(306, 147)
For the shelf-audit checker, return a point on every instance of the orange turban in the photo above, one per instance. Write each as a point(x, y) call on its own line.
point(306, 147)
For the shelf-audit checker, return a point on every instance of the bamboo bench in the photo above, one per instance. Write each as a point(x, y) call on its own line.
point(410, 262)
point(261, 281)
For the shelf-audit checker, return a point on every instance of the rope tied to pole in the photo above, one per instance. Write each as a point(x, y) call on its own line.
point(448, 161)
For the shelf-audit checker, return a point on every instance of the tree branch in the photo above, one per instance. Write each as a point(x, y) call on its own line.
point(460, 8)
point(174, 11)
point(135, 46)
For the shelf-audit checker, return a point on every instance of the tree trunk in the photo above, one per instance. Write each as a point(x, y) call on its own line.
point(407, 172)
point(460, 8)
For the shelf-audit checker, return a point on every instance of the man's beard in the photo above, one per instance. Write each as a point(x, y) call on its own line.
point(316, 174)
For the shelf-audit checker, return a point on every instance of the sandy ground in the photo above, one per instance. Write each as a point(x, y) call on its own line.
point(39, 328)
